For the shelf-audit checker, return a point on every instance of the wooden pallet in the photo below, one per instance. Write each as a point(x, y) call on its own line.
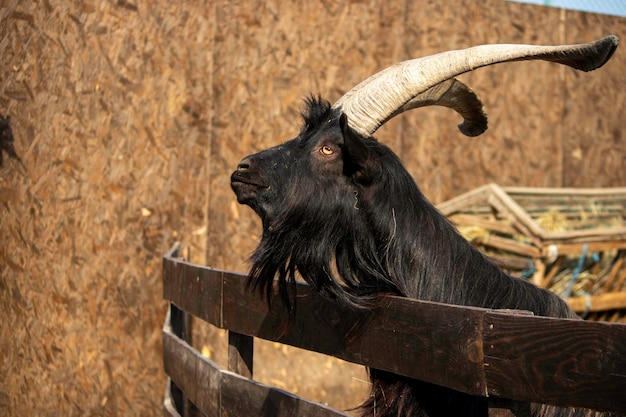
point(570, 240)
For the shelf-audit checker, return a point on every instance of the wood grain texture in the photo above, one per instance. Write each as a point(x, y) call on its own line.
point(196, 376)
point(405, 331)
point(594, 147)
point(563, 362)
point(193, 284)
point(241, 397)
point(110, 112)
point(221, 393)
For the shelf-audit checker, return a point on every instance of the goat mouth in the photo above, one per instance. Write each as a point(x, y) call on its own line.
point(237, 182)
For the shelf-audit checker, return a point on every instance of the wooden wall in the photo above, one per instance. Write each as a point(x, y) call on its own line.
point(129, 117)
point(108, 103)
point(549, 125)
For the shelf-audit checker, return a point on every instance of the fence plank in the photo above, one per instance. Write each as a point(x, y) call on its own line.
point(217, 392)
point(396, 337)
point(242, 397)
point(560, 362)
point(477, 351)
point(196, 376)
point(198, 289)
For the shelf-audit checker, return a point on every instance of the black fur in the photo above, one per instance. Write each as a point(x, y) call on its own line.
point(355, 226)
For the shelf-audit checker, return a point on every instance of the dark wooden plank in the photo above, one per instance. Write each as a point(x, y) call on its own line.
point(240, 354)
point(179, 323)
point(427, 341)
point(197, 377)
point(242, 397)
point(570, 363)
point(217, 392)
point(559, 362)
point(193, 288)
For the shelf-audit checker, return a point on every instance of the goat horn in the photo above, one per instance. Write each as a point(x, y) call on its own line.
point(453, 94)
point(429, 81)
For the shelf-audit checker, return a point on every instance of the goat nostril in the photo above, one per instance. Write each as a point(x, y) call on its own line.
point(244, 165)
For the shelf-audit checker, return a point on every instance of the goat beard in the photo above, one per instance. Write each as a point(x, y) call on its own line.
point(337, 259)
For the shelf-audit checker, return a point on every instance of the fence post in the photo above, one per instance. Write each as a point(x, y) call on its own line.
point(182, 323)
point(240, 353)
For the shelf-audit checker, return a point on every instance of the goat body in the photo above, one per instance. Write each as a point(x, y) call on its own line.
point(339, 209)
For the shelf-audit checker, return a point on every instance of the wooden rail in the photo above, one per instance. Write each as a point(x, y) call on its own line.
point(510, 357)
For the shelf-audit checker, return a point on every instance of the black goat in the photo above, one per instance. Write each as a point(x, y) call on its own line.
point(339, 209)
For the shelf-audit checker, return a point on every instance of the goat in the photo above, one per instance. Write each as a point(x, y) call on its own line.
point(339, 209)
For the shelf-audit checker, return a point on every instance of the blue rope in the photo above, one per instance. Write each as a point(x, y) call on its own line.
point(529, 272)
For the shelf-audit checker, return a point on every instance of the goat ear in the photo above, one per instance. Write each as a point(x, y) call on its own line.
point(358, 160)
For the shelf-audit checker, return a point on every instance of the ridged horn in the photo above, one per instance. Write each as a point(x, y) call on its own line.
point(430, 81)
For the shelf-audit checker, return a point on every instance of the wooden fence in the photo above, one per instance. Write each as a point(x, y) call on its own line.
point(510, 357)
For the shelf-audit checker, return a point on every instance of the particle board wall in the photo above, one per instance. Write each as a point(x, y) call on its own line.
point(110, 108)
point(594, 141)
point(130, 116)
point(536, 109)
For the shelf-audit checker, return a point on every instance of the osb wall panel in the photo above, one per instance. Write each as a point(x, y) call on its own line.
point(594, 142)
point(110, 105)
point(130, 116)
point(522, 101)
point(531, 118)
point(535, 109)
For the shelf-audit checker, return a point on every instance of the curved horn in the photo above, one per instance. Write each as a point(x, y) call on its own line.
point(429, 81)
point(453, 94)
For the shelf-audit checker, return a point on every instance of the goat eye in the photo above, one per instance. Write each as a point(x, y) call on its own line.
point(327, 150)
